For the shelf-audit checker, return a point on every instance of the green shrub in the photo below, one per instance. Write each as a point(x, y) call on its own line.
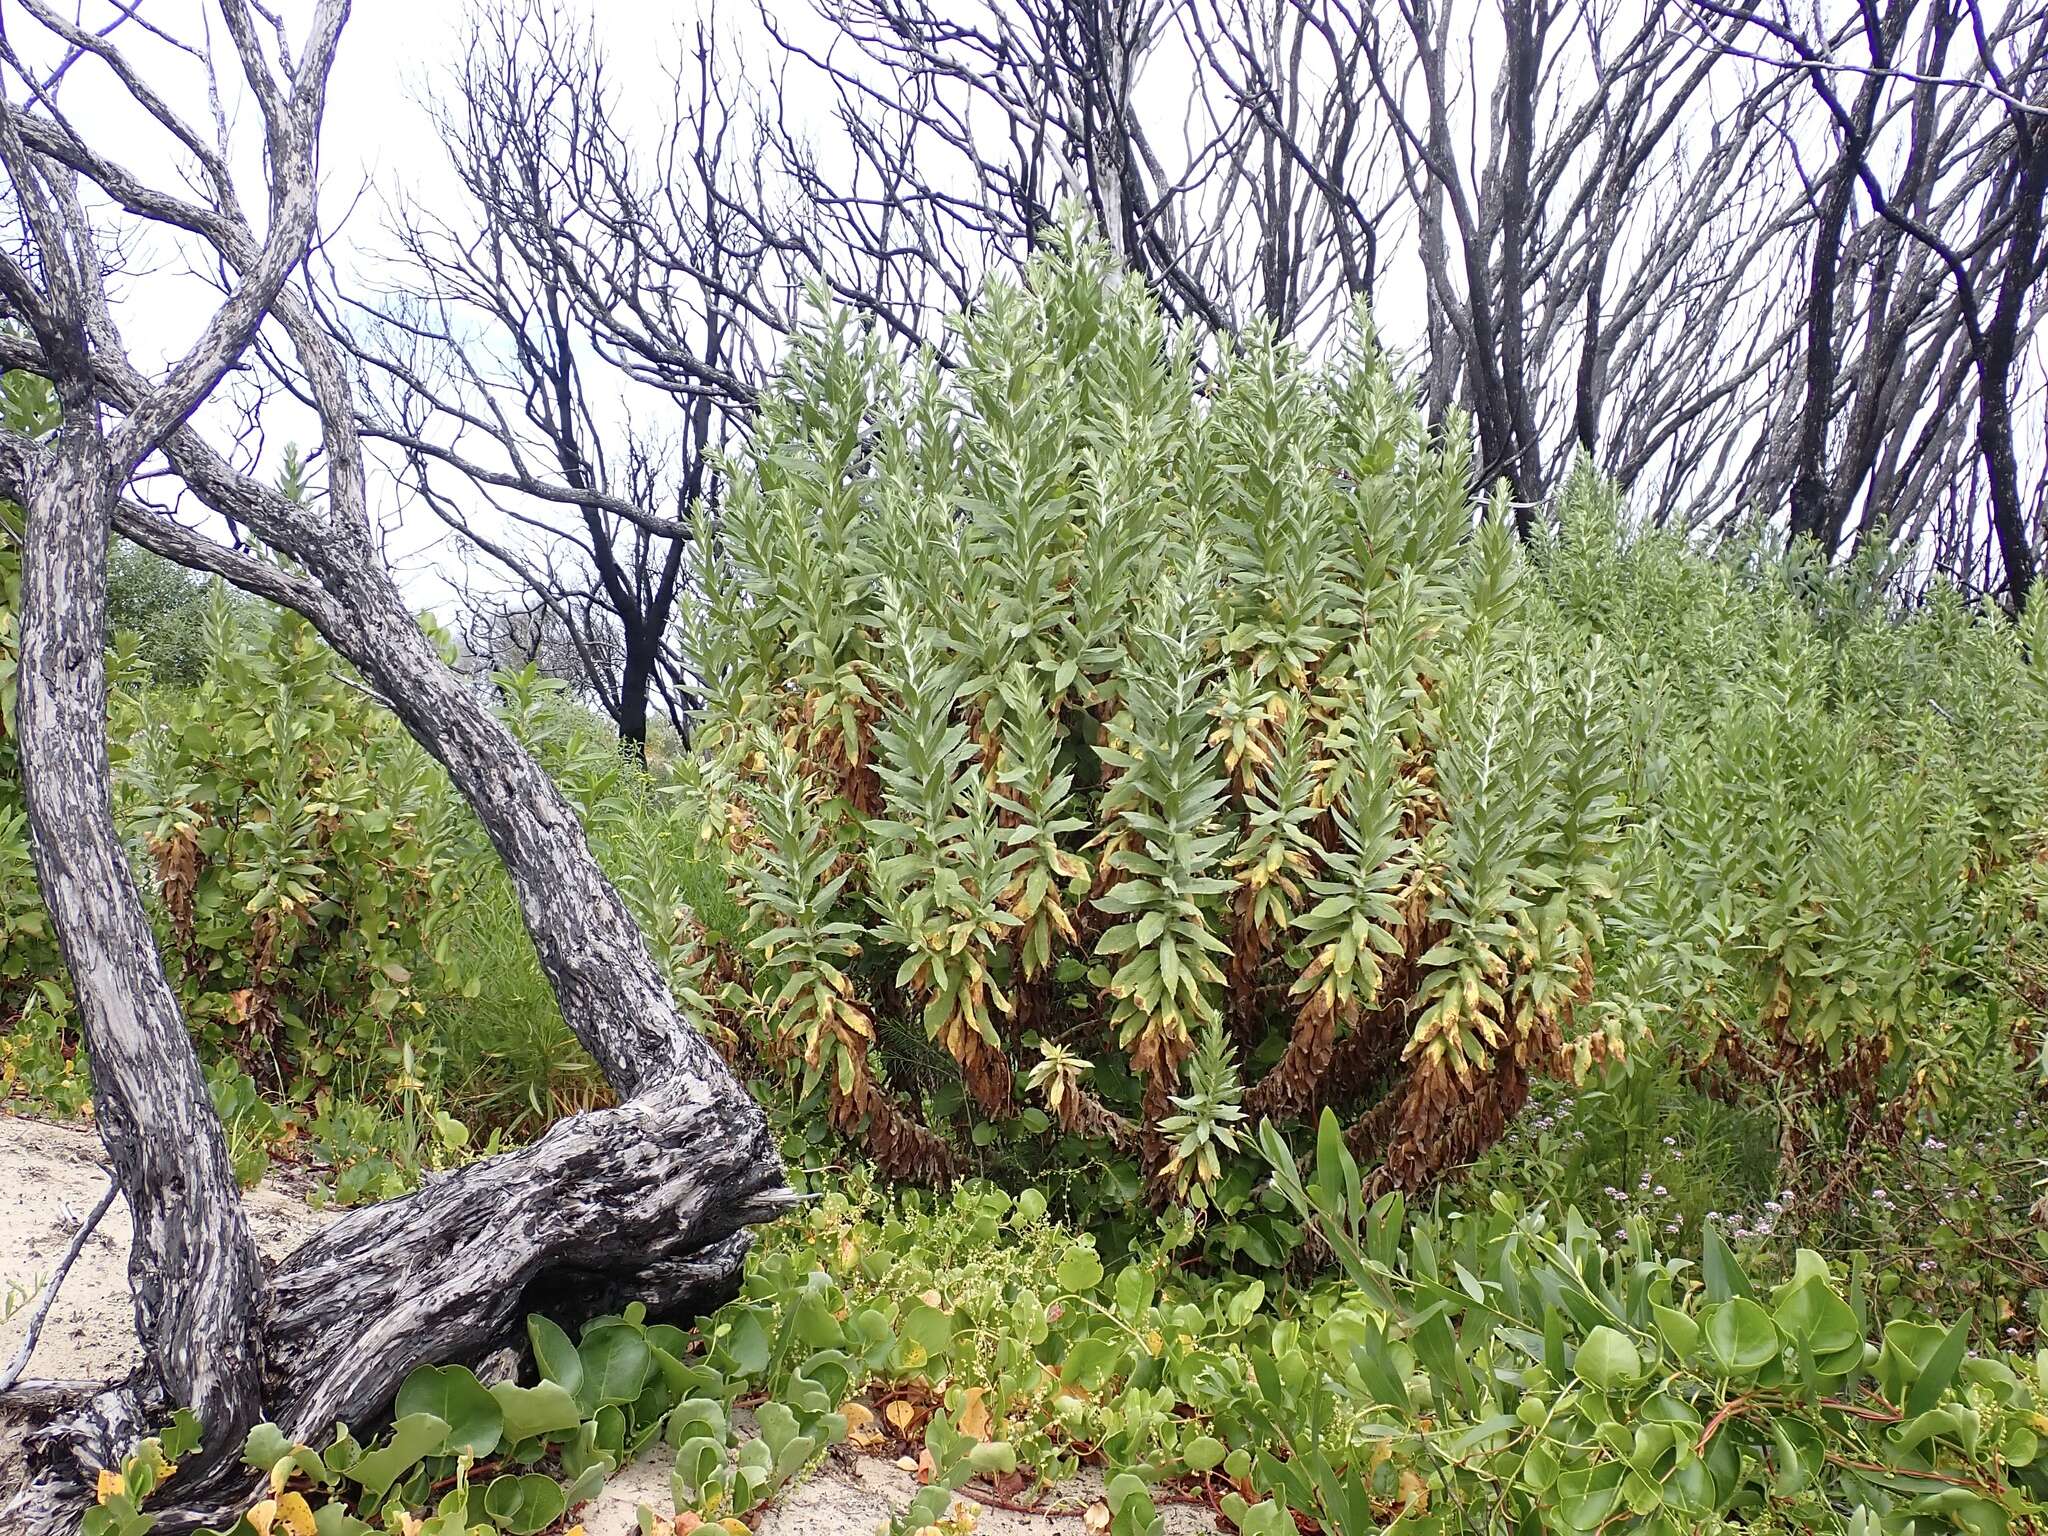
point(1106, 746)
point(342, 939)
point(1532, 1378)
point(1842, 850)
point(1497, 1370)
point(303, 851)
point(165, 607)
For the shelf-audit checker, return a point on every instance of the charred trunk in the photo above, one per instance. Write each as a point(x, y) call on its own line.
point(650, 1200)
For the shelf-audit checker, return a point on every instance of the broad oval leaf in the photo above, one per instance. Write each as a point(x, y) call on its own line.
point(1609, 1361)
point(452, 1392)
point(1741, 1338)
point(555, 1355)
point(615, 1364)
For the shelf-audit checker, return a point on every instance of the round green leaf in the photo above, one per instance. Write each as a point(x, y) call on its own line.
point(452, 1393)
point(993, 1456)
point(1609, 1361)
point(615, 1363)
point(1741, 1338)
point(545, 1408)
point(1079, 1270)
point(525, 1505)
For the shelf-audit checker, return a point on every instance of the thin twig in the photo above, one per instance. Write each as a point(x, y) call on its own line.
point(35, 1322)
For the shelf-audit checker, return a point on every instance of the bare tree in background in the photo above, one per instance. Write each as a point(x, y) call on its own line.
point(1926, 258)
point(1589, 243)
point(1566, 223)
point(1255, 197)
point(558, 356)
point(650, 1199)
point(1584, 217)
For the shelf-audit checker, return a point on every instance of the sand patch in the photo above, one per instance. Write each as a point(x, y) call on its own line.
point(50, 1179)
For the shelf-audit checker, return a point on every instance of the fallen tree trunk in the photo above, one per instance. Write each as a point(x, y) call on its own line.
point(649, 1200)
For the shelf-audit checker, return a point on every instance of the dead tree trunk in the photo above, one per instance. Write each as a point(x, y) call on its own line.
point(651, 1199)
point(195, 1274)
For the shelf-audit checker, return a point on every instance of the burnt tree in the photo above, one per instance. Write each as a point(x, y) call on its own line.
point(653, 1197)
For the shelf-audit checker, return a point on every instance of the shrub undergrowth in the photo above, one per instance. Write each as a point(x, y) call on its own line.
point(1102, 755)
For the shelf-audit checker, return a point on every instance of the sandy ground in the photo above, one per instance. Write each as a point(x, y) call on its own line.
point(51, 1178)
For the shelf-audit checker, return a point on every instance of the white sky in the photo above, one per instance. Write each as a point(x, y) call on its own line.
point(378, 143)
point(394, 55)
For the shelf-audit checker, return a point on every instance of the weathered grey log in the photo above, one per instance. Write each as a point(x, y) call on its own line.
point(647, 1200)
point(197, 1282)
point(650, 1200)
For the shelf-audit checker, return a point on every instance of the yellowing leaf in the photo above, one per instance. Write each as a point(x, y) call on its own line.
point(900, 1415)
point(860, 1425)
point(974, 1416)
point(262, 1516)
point(112, 1484)
point(297, 1515)
point(1414, 1492)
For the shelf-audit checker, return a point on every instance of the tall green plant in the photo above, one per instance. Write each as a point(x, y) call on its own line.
point(1173, 741)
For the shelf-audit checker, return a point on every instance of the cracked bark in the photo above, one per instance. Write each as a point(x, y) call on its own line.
point(649, 1200)
point(194, 1270)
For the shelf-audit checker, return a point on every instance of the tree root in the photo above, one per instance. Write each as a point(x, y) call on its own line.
point(652, 1200)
